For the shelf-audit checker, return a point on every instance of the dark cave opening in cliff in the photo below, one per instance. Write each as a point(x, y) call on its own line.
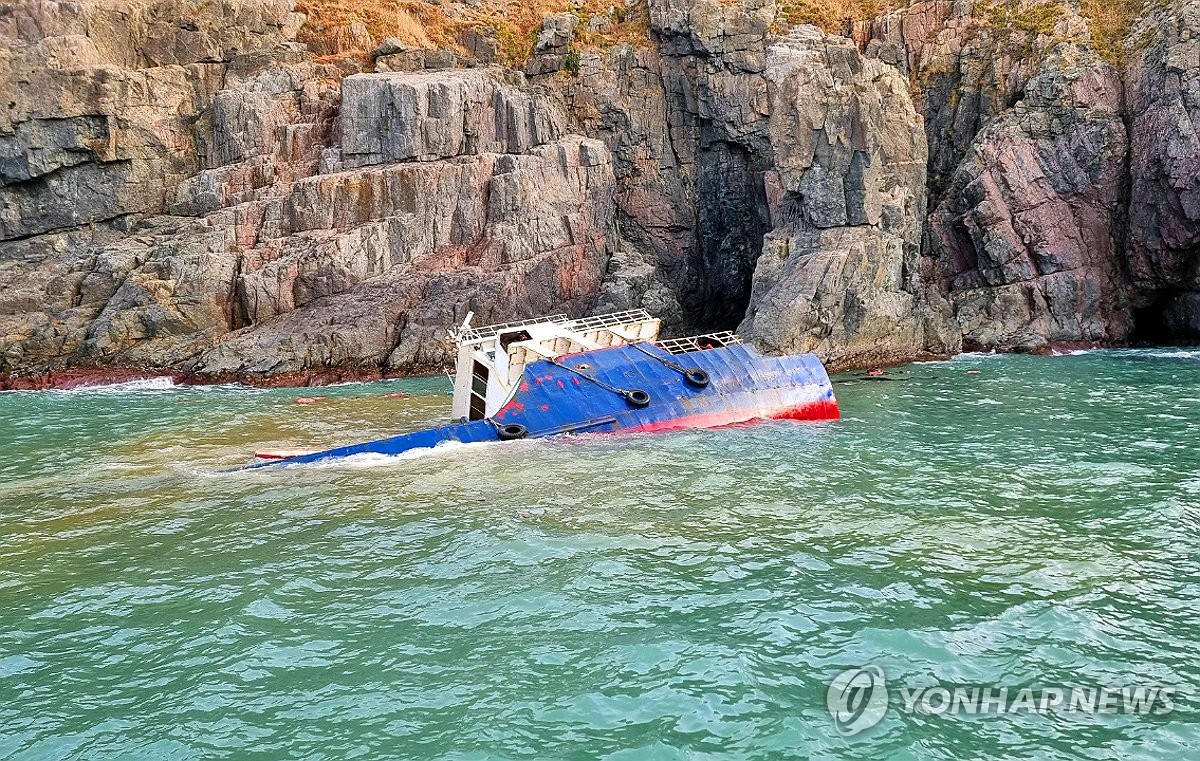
point(1149, 327)
point(731, 220)
point(1166, 321)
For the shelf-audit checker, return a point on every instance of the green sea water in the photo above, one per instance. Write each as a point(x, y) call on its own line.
point(667, 596)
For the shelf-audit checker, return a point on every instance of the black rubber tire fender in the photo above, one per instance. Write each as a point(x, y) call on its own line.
point(696, 377)
point(512, 432)
point(637, 398)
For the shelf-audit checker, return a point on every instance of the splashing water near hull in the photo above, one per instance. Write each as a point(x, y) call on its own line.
point(584, 596)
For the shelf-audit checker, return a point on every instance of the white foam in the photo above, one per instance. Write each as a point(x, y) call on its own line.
point(368, 460)
point(155, 384)
point(1176, 354)
point(975, 356)
point(1161, 352)
point(341, 384)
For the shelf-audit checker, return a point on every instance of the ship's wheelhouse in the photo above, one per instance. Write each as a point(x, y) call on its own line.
point(492, 359)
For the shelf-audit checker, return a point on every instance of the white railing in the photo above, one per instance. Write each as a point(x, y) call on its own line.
point(613, 320)
point(598, 322)
point(698, 343)
point(491, 331)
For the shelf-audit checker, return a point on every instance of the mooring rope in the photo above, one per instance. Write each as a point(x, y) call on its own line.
point(591, 378)
point(668, 362)
point(636, 396)
point(693, 375)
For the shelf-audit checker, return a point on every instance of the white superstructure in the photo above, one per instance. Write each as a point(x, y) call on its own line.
point(491, 359)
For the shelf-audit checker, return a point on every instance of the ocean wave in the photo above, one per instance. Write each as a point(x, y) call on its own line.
point(600, 586)
point(139, 385)
point(1157, 352)
point(1175, 354)
point(369, 460)
point(157, 384)
point(975, 356)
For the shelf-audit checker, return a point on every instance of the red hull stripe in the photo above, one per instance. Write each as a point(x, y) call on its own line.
point(825, 409)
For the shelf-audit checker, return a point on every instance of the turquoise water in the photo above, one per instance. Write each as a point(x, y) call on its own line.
point(665, 596)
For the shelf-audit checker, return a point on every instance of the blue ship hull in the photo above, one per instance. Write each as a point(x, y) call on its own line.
point(594, 392)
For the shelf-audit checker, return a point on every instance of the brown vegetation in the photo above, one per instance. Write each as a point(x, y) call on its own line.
point(831, 15)
point(414, 22)
point(1111, 22)
point(515, 23)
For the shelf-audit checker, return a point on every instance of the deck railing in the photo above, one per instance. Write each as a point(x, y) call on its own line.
point(581, 324)
point(697, 343)
point(613, 320)
point(491, 331)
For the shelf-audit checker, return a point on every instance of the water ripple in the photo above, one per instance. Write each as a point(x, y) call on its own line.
point(652, 596)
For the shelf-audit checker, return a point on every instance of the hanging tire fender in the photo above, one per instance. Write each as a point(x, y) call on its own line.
point(697, 377)
point(511, 432)
point(637, 398)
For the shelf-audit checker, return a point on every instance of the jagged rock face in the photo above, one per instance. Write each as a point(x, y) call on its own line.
point(425, 116)
point(634, 281)
point(846, 200)
point(373, 264)
point(104, 119)
point(707, 29)
point(969, 62)
point(192, 190)
point(139, 34)
point(66, 160)
point(632, 101)
point(304, 237)
point(1028, 175)
point(737, 165)
point(714, 62)
point(449, 193)
point(1163, 86)
point(102, 98)
point(742, 170)
point(267, 129)
point(687, 128)
point(1026, 238)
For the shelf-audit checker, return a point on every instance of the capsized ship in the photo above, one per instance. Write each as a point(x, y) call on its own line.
point(604, 374)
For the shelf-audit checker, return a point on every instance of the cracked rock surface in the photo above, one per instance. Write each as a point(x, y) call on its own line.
point(185, 187)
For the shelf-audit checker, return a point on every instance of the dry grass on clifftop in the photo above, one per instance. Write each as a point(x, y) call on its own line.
point(831, 15)
point(345, 28)
point(331, 24)
point(1111, 22)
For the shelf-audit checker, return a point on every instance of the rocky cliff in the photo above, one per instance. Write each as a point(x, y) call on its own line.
point(1163, 107)
point(186, 187)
